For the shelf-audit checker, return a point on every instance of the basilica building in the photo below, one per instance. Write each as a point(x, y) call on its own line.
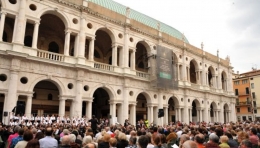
point(97, 57)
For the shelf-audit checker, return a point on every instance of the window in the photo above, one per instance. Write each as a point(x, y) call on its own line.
point(244, 81)
point(247, 90)
point(255, 111)
point(236, 82)
point(251, 78)
point(253, 95)
point(247, 100)
point(252, 85)
point(236, 91)
point(249, 109)
point(238, 110)
point(254, 103)
point(250, 118)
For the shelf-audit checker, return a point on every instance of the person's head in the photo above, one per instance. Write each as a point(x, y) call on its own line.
point(122, 136)
point(90, 145)
point(132, 140)
point(48, 131)
point(223, 139)
point(143, 141)
point(171, 137)
point(34, 143)
point(66, 132)
point(65, 140)
point(189, 144)
point(39, 135)
point(76, 133)
point(113, 142)
point(245, 144)
point(72, 138)
point(16, 129)
point(156, 140)
point(183, 138)
point(253, 131)
point(27, 135)
point(199, 138)
point(106, 137)
point(213, 138)
point(86, 140)
point(21, 131)
point(242, 136)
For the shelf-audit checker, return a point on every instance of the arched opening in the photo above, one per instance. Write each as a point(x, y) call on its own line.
point(224, 80)
point(210, 76)
point(51, 35)
point(213, 108)
point(193, 76)
point(103, 45)
point(172, 114)
point(28, 41)
point(46, 102)
point(226, 113)
point(141, 57)
point(100, 104)
point(8, 29)
point(196, 112)
point(141, 108)
point(53, 47)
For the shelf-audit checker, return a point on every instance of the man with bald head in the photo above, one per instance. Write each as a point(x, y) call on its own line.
point(199, 139)
point(65, 142)
point(189, 144)
point(48, 141)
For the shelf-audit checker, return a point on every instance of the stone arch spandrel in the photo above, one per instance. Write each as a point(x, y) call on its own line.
point(55, 81)
point(107, 88)
point(197, 102)
point(59, 14)
point(225, 106)
point(176, 100)
point(145, 44)
point(214, 104)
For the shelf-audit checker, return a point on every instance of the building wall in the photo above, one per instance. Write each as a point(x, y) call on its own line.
point(78, 75)
point(255, 86)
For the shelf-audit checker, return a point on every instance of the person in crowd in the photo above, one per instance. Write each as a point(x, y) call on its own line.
point(183, 138)
point(231, 142)
point(65, 142)
point(122, 141)
point(223, 141)
point(112, 143)
point(189, 144)
point(200, 139)
point(253, 138)
point(27, 136)
point(17, 139)
point(213, 141)
point(246, 144)
point(11, 137)
point(34, 143)
point(143, 141)
point(48, 141)
point(94, 124)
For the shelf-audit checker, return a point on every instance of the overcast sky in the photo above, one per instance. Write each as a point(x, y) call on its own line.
point(232, 26)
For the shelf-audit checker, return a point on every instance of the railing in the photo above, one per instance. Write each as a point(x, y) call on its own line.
point(50, 55)
point(244, 103)
point(103, 66)
point(142, 74)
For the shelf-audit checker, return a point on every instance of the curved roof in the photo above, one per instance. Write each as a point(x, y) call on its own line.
point(142, 18)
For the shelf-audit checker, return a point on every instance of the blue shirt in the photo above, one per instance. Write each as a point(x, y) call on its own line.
point(15, 141)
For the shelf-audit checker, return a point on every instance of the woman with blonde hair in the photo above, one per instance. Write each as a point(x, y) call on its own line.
point(122, 141)
point(223, 141)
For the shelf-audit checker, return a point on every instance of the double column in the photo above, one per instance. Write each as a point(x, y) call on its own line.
point(150, 113)
point(132, 64)
point(133, 114)
point(216, 115)
point(166, 115)
point(179, 114)
point(91, 49)
point(114, 55)
point(199, 115)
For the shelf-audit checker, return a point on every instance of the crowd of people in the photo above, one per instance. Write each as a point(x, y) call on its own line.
point(98, 133)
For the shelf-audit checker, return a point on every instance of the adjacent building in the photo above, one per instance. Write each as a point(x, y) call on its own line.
point(97, 57)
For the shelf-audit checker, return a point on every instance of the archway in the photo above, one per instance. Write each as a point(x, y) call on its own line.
point(2, 100)
point(213, 112)
point(50, 33)
point(103, 45)
point(193, 69)
point(141, 107)
point(210, 76)
point(226, 113)
point(224, 80)
point(141, 57)
point(100, 104)
point(45, 99)
point(172, 113)
point(196, 111)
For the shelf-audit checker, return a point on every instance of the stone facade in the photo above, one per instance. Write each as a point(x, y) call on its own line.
point(73, 59)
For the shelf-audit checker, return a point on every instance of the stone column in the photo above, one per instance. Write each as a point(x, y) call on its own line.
point(178, 70)
point(120, 111)
point(124, 54)
point(179, 115)
point(184, 73)
point(35, 35)
point(133, 113)
point(190, 115)
point(198, 115)
point(125, 103)
point(188, 73)
point(155, 115)
point(62, 103)
point(91, 49)
point(67, 43)
point(112, 109)
point(28, 109)
point(114, 55)
point(201, 115)
point(72, 108)
point(209, 120)
point(207, 79)
point(166, 121)
point(206, 111)
point(2, 24)
point(133, 60)
point(82, 38)
point(20, 23)
point(89, 109)
point(176, 114)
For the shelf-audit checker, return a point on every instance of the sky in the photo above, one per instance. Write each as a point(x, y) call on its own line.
point(230, 26)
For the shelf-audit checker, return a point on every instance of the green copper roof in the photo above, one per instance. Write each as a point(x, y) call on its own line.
point(142, 18)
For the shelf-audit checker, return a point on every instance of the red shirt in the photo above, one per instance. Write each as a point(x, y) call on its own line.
point(10, 138)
